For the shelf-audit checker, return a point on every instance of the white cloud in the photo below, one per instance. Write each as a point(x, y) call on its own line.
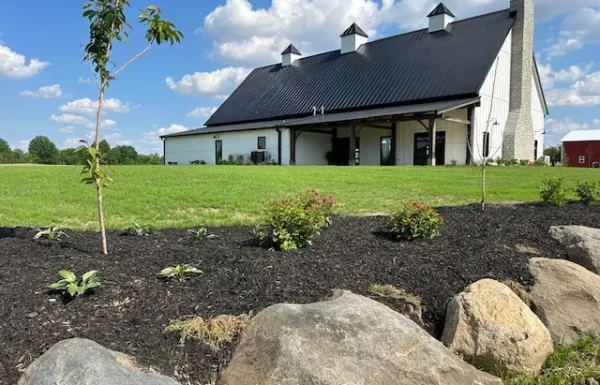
point(564, 46)
point(580, 27)
point(22, 145)
point(216, 84)
point(66, 130)
point(13, 65)
point(87, 106)
point(46, 92)
point(83, 80)
point(71, 142)
point(202, 112)
point(597, 122)
point(563, 126)
point(70, 119)
point(151, 143)
point(585, 92)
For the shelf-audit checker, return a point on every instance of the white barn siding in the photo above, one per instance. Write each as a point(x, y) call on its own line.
point(498, 99)
point(311, 148)
point(539, 118)
point(456, 139)
point(186, 149)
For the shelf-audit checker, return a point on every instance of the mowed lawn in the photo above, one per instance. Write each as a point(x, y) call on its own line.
point(188, 196)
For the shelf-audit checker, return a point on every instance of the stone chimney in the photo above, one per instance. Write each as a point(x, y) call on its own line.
point(289, 55)
point(518, 134)
point(440, 18)
point(352, 38)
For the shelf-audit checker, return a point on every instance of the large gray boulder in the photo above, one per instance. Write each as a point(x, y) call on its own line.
point(490, 327)
point(348, 340)
point(84, 362)
point(581, 243)
point(566, 297)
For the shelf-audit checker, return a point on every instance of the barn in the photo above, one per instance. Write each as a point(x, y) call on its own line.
point(452, 93)
point(581, 148)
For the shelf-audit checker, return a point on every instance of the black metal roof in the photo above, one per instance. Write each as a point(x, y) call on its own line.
point(411, 68)
point(291, 49)
point(354, 29)
point(441, 9)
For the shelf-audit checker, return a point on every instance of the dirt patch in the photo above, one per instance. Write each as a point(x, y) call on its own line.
point(130, 311)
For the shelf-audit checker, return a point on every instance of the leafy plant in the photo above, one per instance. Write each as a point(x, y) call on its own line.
point(568, 365)
point(136, 230)
point(202, 233)
point(553, 191)
point(73, 286)
point(541, 162)
point(588, 192)
point(215, 332)
point(293, 222)
point(51, 233)
point(181, 272)
point(415, 220)
point(108, 23)
point(453, 162)
point(512, 162)
point(523, 162)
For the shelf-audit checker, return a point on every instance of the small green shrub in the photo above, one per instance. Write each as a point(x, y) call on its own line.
point(73, 286)
point(453, 162)
point(571, 365)
point(588, 193)
point(51, 233)
point(202, 233)
point(293, 222)
point(553, 192)
point(523, 162)
point(135, 230)
point(512, 162)
point(499, 161)
point(541, 162)
point(415, 220)
point(181, 272)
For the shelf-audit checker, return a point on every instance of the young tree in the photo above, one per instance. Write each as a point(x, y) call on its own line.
point(108, 24)
point(43, 150)
point(555, 154)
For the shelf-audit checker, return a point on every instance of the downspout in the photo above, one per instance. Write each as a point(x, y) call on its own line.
point(278, 145)
point(164, 151)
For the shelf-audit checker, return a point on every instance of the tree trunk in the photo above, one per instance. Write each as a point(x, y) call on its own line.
point(98, 183)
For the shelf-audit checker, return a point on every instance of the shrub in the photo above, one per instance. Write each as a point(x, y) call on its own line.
point(215, 332)
point(415, 220)
point(523, 162)
point(51, 233)
point(181, 272)
point(553, 192)
point(541, 162)
point(453, 162)
point(293, 222)
point(588, 192)
point(512, 162)
point(73, 286)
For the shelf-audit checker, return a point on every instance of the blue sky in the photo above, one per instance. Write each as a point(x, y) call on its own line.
point(46, 88)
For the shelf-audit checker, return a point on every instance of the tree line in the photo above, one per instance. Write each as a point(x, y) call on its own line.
point(43, 151)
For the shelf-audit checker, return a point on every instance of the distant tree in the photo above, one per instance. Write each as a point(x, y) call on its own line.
point(123, 155)
point(21, 157)
point(43, 150)
point(6, 153)
point(70, 156)
point(107, 24)
point(152, 159)
point(555, 154)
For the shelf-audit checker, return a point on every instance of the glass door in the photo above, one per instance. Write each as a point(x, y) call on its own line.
point(386, 151)
point(218, 151)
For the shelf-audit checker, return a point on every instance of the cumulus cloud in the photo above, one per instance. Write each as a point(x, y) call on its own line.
point(151, 143)
point(88, 107)
point(70, 119)
point(216, 84)
point(66, 130)
point(85, 80)
point(563, 126)
point(202, 112)
point(46, 92)
point(14, 65)
point(585, 92)
point(580, 27)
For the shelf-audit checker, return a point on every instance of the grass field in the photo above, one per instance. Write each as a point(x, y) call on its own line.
point(187, 196)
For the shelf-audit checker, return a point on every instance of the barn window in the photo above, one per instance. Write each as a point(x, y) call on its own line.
point(262, 142)
point(582, 159)
point(486, 144)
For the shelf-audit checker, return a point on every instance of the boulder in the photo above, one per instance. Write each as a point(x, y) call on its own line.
point(490, 327)
point(566, 297)
point(84, 362)
point(582, 245)
point(348, 340)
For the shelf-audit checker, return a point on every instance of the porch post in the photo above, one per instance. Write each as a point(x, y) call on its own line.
point(394, 142)
point(432, 142)
point(293, 146)
point(470, 126)
point(353, 146)
point(333, 144)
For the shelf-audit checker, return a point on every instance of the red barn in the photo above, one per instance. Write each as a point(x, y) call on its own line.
point(582, 148)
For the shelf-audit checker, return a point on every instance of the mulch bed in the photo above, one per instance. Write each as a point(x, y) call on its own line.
point(131, 309)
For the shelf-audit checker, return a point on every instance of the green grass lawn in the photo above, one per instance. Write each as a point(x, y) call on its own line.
point(186, 196)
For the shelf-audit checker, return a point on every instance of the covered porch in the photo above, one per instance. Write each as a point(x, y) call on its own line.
point(426, 134)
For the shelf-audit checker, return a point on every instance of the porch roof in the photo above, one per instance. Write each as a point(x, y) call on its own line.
point(379, 114)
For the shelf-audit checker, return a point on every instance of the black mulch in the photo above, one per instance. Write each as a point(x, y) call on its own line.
point(131, 309)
